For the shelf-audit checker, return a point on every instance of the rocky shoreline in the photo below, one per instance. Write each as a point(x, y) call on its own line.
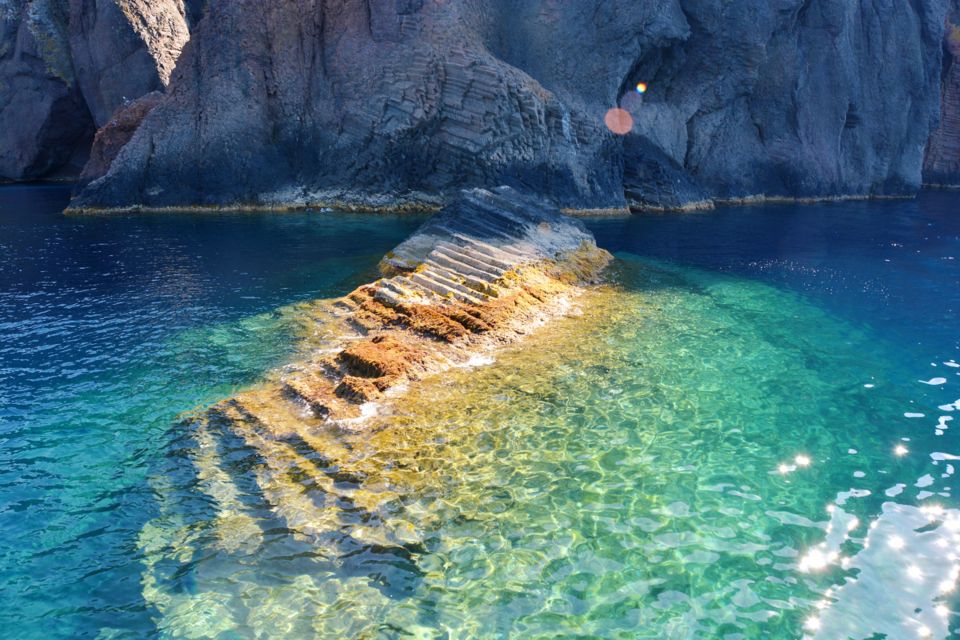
point(430, 205)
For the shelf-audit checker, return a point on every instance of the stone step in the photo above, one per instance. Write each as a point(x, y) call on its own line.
point(443, 287)
point(479, 228)
point(506, 256)
point(469, 249)
point(289, 499)
point(324, 451)
point(320, 500)
point(457, 264)
point(234, 525)
point(481, 287)
point(515, 218)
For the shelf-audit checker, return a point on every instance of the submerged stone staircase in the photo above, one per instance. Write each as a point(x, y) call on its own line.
point(480, 274)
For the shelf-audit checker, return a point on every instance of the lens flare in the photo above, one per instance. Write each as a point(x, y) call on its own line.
point(619, 121)
point(641, 87)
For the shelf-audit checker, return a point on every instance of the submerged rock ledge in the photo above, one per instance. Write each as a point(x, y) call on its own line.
point(484, 272)
point(479, 275)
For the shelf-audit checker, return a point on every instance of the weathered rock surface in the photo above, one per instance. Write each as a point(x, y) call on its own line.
point(44, 121)
point(380, 103)
point(350, 101)
point(481, 273)
point(67, 65)
point(942, 162)
point(327, 101)
point(800, 98)
point(656, 182)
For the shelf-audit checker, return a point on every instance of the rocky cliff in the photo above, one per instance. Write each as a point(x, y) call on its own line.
point(383, 103)
point(942, 162)
point(67, 65)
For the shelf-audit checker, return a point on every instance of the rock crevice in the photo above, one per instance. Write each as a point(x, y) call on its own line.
point(66, 66)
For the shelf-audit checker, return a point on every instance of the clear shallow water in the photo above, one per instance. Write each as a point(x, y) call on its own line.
point(633, 472)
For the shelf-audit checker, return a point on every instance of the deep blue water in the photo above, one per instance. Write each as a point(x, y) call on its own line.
point(892, 265)
point(642, 465)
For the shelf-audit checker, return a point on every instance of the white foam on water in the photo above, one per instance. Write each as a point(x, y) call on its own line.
point(843, 496)
point(914, 415)
point(895, 490)
point(367, 410)
point(939, 455)
point(934, 381)
point(478, 361)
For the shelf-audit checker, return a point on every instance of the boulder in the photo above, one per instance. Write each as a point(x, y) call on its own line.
point(115, 134)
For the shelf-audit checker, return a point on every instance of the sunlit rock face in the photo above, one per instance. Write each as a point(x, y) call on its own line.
point(67, 65)
point(393, 102)
point(123, 49)
point(115, 134)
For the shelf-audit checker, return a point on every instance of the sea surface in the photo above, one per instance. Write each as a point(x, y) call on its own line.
point(753, 432)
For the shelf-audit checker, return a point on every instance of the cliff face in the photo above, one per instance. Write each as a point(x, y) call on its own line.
point(123, 49)
point(385, 102)
point(67, 65)
point(354, 101)
point(942, 162)
point(380, 102)
point(800, 98)
point(43, 119)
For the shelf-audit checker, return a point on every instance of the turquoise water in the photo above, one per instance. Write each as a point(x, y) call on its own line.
point(747, 436)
